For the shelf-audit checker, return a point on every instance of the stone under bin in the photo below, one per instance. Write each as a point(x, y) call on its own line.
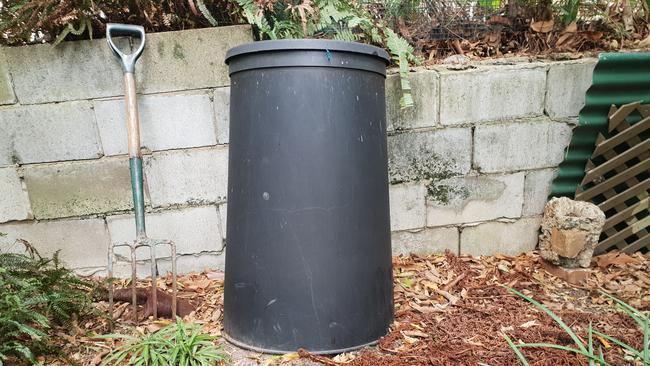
point(570, 232)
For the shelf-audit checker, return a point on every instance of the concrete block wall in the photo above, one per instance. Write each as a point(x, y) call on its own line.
point(64, 177)
point(470, 165)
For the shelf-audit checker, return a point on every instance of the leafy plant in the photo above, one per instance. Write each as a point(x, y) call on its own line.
point(38, 21)
point(335, 19)
point(395, 10)
point(37, 294)
point(569, 11)
point(594, 357)
point(175, 344)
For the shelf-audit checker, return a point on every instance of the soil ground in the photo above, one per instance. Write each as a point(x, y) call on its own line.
point(449, 310)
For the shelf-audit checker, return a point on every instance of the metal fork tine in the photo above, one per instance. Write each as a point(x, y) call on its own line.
point(151, 243)
point(134, 280)
point(154, 279)
point(174, 285)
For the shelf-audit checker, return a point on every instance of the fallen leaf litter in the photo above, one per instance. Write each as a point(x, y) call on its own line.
point(449, 310)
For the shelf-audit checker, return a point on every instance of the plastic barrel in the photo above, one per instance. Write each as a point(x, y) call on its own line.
point(308, 258)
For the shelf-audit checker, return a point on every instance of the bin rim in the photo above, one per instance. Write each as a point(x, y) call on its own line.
point(307, 44)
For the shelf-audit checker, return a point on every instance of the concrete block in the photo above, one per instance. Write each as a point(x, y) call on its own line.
point(566, 87)
point(15, 204)
point(425, 86)
point(79, 188)
point(471, 199)
point(7, 155)
point(491, 93)
point(194, 230)
point(188, 263)
point(407, 206)
point(538, 143)
point(69, 71)
point(429, 154)
point(223, 215)
point(189, 59)
point(510, 238)
point(166, 122)
point(83, 243)
point(48, 132)
point(7, 95)
point(195, 263)
point(221, 103)
point(196, 176)
point(536, 191)
point(426, 241)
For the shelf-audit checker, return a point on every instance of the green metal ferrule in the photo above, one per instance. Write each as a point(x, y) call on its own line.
point(137, 186)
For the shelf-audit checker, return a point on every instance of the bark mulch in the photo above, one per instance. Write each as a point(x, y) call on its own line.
point(449, 310)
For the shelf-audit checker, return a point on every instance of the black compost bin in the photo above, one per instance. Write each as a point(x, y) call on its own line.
point(308, 260)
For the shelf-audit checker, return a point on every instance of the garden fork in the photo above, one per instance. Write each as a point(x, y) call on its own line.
point(127, 62)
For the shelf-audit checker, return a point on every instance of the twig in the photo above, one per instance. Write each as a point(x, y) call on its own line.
point(456, 44)
point(450, 285)
point(316, 358)
point(452, 299)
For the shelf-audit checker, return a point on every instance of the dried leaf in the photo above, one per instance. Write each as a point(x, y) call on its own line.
point(473, 342)
point(290, 356)
point(98, 358)
point(415, 333)
point(615, 258)
point(571, 28)
point(496, 19)
point(593, 36)
point(157, 325)
point(564, 38)
point(542, 26)
point(645, 43)
point(604, 342)
point(529, 324)
point(215, 275)
point(345, 357)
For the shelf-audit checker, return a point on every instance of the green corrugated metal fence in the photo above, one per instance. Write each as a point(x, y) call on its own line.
point(619, 78)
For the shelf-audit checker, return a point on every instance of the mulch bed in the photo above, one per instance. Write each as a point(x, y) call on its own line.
point(449, 310)
point(444, 320)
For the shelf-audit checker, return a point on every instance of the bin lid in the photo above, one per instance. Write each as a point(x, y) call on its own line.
point(307, 44)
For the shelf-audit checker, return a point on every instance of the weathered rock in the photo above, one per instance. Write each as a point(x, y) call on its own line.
point(570, 232)
point(568, 243)
point(457, 62)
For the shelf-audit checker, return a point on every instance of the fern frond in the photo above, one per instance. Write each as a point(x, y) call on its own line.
point(345, 34)
point(206, 13)
point(70, 28)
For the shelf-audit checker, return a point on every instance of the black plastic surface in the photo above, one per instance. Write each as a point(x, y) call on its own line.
point(308, 259)
point(307, 52)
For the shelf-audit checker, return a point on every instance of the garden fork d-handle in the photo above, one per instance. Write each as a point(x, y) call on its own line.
point(128, 60)
point(132, 120)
